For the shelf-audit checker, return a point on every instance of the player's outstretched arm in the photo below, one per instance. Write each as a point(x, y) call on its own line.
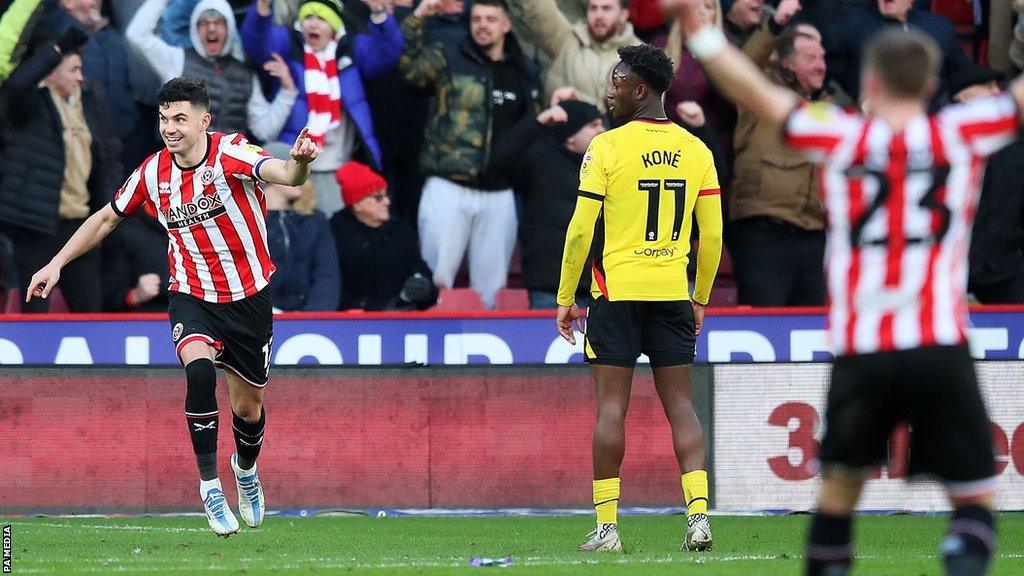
point(87, 237)
point(732, 72)
point(295, 170)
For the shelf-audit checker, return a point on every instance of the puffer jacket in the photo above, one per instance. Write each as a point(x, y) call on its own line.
point(33, 164)
point(370, 54)
point(578, 60)
point(458, 138)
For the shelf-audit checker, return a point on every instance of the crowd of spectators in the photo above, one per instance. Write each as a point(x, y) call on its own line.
point(452, 133)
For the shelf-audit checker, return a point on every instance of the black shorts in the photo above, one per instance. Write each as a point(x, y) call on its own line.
point(934, 390)
point(618, 332)
point(241, 331)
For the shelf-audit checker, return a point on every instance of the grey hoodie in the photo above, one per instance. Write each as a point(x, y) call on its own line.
point(265, 119)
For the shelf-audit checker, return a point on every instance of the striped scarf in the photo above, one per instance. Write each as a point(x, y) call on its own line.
point(323, 93)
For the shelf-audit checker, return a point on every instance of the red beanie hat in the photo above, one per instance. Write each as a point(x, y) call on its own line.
point(358, 181)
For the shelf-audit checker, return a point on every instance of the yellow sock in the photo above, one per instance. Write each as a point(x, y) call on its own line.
point(606, 500)
point(695, 491)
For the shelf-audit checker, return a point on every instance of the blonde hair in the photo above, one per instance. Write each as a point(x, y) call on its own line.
point(306, 203)
point(674, 46)
point(906, 63)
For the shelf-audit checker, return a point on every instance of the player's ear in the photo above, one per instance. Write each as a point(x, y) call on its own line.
point(207, 119)
point(641, 91)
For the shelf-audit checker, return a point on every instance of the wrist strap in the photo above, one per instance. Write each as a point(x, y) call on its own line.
point(706, 43)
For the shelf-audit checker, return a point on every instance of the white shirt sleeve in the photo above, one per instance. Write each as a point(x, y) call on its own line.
point(267, 119)
point(168, 61)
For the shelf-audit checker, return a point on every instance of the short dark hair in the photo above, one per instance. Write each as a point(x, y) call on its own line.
point(907, 63)
point(651, 64)
point(184, 89)
point(499, 3)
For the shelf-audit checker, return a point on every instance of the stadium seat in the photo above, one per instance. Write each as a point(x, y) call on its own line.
point(963, 16)
point(12, 304)
point(57, 303)
point(459, 300)
point(961, 12)
point(724, 293)
point(512, 299)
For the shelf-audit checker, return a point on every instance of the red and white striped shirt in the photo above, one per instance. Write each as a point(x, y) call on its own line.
point(215, 216)
point(900, 209)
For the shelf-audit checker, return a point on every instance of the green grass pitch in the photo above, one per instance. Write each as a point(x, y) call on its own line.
point(744, 546)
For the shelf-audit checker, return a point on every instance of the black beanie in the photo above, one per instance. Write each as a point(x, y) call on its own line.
point(580, 114)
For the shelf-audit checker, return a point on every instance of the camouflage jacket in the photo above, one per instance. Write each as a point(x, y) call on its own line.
point(458, 138)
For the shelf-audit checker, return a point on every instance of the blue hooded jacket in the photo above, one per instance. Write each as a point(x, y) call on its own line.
point(366, 55)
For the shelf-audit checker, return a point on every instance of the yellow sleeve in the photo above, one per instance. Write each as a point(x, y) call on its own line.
point(593, 172)
point(709, 223)
point(578, 239)
point(580, 234)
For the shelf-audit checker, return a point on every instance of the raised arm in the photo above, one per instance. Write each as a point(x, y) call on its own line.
point(87, 237)
point(733, 73)
point(168, 61)
point(378, 49)
point(550, 27)
point(295, 170)
point(420, 65)
point(261, 38)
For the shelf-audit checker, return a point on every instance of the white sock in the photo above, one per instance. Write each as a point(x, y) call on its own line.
point(206, 485)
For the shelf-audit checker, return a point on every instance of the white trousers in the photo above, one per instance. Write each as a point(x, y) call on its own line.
point(453, 217)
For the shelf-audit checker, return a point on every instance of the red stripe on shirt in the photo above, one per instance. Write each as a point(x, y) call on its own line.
point(195, 286)
point(973, 130)
point(239, 194)
point(231, 237)
point(710, 192)
point(815, 142)
point(857, 207)
point(896, 173)
point(927, 315)
point(202, 239)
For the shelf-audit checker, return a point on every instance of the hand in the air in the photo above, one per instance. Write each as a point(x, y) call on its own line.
point(305, 150)
point(278, 68)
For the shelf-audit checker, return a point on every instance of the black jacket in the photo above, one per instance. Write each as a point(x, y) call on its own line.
point(845, 33)
point(546, 174)
point(137, 246)
point(375, 262)
point(997, 244)
point(307, 268)
point(34, 147)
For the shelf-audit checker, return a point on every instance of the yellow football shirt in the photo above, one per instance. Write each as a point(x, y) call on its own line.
point(640, 186)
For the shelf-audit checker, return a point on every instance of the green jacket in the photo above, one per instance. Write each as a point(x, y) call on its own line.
point(458, 138)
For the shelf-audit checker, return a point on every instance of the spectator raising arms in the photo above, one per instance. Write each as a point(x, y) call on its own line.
point(127, 79)
point(62, 163)
point(236, 101)
point(777, 235)
point(583, 52)
point(329, 62)
point(845, 34)
point(482, 86)
point(542, 156)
